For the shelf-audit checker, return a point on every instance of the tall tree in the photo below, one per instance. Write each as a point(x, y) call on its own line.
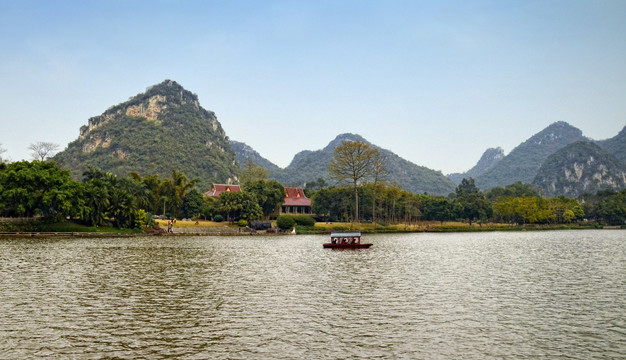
point(41, 150)
point(352, 162)
point(252, 172)
point(379, 172)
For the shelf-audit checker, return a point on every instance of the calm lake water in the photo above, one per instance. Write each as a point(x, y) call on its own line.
point(557, 294)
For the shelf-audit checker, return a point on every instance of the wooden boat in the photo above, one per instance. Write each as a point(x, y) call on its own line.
point(346, 240)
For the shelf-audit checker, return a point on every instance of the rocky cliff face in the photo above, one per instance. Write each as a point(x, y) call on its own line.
point(154, 132)
point(488, 160)
point(579, 168)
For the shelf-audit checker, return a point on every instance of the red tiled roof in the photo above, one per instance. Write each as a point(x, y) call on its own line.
point(217, 189)
point(296, 197)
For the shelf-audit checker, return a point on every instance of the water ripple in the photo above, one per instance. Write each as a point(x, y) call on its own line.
point(473, 296)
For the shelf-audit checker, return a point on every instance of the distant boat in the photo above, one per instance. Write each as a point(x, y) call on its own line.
point(346, 240)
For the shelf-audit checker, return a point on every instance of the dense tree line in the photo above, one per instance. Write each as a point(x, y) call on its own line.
point(41, 188)
point(517, 203)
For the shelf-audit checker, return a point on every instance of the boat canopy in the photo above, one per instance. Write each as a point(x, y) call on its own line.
point(345, 234)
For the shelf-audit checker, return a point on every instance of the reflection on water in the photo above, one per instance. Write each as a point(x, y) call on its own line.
point(490, 295)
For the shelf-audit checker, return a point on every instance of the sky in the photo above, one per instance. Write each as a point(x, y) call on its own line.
point(436, 82)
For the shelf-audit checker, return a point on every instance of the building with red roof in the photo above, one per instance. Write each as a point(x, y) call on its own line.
point(295, 202)
point(218, 189)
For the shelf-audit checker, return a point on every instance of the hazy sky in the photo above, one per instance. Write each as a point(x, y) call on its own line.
point(437, 82)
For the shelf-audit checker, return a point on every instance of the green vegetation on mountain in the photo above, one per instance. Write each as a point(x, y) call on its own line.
point(163, 129)
point(616, 145)
point(523, 162)
point(578, 168)
point(245, 154)
point(308, 166)
point(487, 161)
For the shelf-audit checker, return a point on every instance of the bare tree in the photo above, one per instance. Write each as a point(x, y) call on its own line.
point(2, 151)
point(42, 149)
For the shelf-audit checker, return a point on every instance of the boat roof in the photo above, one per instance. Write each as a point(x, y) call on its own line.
point(345, 234)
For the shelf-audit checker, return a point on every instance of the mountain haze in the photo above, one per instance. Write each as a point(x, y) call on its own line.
point(155, 132)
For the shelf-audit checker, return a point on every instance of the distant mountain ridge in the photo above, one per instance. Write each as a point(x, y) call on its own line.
point(578, 168)
point(487, 161)
point(307, 166)
point(616, 145)
point(244, 152)
point(523, 162)
point(155, 132)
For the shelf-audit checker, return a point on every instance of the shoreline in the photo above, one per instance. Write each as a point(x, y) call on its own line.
point(234, 232)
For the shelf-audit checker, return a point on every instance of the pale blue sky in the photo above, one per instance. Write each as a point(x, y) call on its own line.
point(437, 82)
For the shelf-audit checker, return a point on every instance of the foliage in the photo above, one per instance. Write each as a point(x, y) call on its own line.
point(269, 194)
point(193, 204)
point(218, 218)
point(39, 188)
point(612, 209)
point(242, 223)
point(285, 222)
point(304, 220)
point(238, 205)
point(184, 136)
point(578, 168)
point(516, 189)
point(251, 172)
point(352, 162)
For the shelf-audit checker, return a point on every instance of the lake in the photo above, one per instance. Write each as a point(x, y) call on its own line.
point(505, 295)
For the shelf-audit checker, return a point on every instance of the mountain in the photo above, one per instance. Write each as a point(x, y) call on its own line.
point(523, 162)
point(309, 165)
point(154, 132)
point(616, 145)
point(489, 159)
point(579, 168)
point(244, 153)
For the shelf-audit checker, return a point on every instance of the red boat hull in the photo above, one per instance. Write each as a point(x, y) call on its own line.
point(346, 246)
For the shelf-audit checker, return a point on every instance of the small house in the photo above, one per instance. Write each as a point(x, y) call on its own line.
point(295, 202)
point(218, 189)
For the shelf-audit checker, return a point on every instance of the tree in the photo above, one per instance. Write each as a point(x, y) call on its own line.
point(352, 162)
point(42, 149)
point(38, 188)
point(252, 172)
point(379, 172)
point(269, 194)
point(193, 204)
point(2, 151)
point(472, 203)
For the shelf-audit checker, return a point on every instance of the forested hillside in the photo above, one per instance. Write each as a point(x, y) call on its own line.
point(578, 168)
point(523, 162)
point(163, 129)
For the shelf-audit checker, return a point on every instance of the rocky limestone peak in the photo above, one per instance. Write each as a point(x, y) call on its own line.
point(554, 133)
point(490, 157)
point(149, 105)
point(344, 137)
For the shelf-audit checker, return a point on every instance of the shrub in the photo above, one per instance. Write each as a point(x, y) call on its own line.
point(218, 218)
point(304, 220)
point(242, 223)
point(285, 222)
